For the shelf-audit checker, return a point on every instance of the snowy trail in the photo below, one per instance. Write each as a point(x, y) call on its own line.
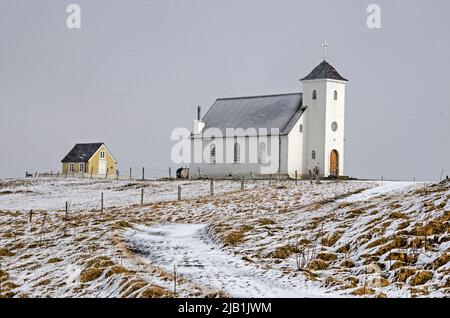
point(383, 187)
point(203, 262)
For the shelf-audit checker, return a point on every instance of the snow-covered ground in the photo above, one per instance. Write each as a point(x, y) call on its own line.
point(189, 248)
point(327, 239)
point(85, 194)
point(383, 187)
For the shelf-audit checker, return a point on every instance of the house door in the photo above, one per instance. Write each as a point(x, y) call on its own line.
point(334, 163)
point(102, 167)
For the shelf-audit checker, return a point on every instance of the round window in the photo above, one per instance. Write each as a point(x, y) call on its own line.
point(334, 126)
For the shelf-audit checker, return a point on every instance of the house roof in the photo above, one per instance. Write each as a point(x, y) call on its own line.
point(82, 152)
point(324, 71)
point(259, 112)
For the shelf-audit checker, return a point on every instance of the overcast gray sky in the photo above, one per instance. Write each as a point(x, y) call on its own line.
point(137, 69)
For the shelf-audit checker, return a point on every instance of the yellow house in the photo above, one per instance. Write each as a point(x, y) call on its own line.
point(93, 158)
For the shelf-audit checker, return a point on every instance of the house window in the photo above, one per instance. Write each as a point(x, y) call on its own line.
point(236, 152)
point(262, 153)
point(81, 167)
point(102, 155)
point(335, 95)
point(313, 155)
point(300, 128)
point(71, 167)
point(213, 154)
point(314, 95)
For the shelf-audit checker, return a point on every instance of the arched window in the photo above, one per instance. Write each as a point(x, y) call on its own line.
point(335, 95)
point(213, 154)
point(314, 96)
point(313, 155)
point(236, 152)
point(300, 128)
point(262, 153)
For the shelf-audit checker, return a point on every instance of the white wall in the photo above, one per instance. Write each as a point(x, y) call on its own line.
point(295, 149)
point(335, 111)
point(317, 127)
point(225, 166)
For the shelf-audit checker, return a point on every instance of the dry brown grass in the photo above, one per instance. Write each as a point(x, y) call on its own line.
point(378, 242)
point(54, 260)
point(330, 240)
point(432, 228)
point(4, 252)
point(155, 292)
point(441, 261)
point(402, 274)
point(317, 264)
point(285, 251)
point(236, 237)
point(90, 274)
point(397, 215)
point(327, 257)
point(363, 291)
point(347, 263)
point(420, 278)
point(265, 221)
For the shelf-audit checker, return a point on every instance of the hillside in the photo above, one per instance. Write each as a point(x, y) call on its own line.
point(333, 239)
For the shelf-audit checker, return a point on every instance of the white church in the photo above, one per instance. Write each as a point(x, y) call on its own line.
point(285, 134)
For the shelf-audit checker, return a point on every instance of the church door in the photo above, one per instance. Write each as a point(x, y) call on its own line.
point(334, 163)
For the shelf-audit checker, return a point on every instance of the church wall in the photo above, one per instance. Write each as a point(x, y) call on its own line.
point(295, 149)
point(314, 125)
point(227, 167)
point(334, 140)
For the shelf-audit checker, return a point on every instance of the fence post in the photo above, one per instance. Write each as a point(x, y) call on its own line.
point(31, 215)
point(117, 174)
point(101, 204)
point(270, 179)
point(106, 175)
point(179, 193)
point(211, 187)
point(67, 211)
point(143, 173)
point(296, 177)
point(310, 177)
point(92, 171)
point(131, 169)
point(242, 183)
point(142, 196)
point(251, 176)
point(57, 174)
point(51, 174)
point(170, 174)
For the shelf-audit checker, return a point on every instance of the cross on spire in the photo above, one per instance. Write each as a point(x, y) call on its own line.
point(325, 45)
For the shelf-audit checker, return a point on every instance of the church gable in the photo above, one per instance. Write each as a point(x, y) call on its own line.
point(259, 112)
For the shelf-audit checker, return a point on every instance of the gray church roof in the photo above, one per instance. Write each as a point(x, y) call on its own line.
point(82, 152)
point(322, 71)
point(271, 111)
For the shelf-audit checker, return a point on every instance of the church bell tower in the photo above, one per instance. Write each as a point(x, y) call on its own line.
point(323, 141)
